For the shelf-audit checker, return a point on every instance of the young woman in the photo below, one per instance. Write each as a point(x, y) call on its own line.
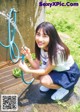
point(54, 66)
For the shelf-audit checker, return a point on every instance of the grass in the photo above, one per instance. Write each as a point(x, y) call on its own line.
point(75, 108)
point(67, 20)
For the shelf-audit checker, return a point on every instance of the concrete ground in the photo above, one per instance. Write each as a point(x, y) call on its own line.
point(34, 101)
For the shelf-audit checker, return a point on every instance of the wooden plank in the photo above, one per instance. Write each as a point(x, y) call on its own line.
point(7, 79)
point(13, 82)
point(4, 79)
point(11, 77)
point(8, 68)
point(6, 73)
point(3, 64)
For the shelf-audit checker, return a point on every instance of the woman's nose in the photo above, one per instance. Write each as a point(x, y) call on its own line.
point(40, 38)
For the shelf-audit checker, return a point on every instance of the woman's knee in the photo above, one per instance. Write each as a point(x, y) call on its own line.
point(42, 81)
point(46, 80)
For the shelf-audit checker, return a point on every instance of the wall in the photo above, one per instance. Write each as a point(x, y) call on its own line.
point(29, 15)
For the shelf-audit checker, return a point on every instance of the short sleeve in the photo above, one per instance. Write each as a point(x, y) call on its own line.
point(60, 59)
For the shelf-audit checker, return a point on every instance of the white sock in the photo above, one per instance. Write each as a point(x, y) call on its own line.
point(44, 89)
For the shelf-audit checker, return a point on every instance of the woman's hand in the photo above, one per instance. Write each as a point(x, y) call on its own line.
point(26, 51)
point(35, 76)
point(23, 66)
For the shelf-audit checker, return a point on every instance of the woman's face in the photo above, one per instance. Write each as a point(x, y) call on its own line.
point(42, 39)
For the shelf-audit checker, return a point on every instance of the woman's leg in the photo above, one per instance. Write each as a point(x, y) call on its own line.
point(48, 82)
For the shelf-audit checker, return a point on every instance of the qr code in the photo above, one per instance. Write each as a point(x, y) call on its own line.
point(9, 102)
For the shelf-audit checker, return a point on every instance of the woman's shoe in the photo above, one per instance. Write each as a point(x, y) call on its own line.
point(59, 94)
point(44, 89)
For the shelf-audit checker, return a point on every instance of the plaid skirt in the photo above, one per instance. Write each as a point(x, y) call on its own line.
point(66, 79)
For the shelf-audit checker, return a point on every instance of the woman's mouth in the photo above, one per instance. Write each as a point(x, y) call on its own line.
point(40, 43)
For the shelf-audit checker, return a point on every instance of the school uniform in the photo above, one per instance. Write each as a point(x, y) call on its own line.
point(66, 73)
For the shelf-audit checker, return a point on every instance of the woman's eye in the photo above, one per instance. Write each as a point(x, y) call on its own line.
point(44, 35)
point(38, 34)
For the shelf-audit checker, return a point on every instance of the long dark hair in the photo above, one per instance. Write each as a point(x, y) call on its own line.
point(54, 40)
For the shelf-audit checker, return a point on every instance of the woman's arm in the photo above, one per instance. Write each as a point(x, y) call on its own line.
point(34, 63)
point(38, 72)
